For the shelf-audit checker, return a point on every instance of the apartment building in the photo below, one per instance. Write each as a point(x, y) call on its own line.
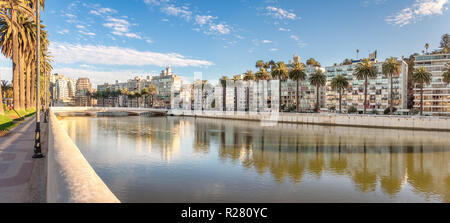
point(378, 92)
point(62, 89)
point(83, 90)
point(436, 94)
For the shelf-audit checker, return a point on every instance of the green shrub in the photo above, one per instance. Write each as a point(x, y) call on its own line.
point(415, 111)
point(387, 110)
point(352, 110)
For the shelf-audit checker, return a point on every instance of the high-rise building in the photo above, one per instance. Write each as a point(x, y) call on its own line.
point(62, 89)
point(436, 95)
point(83, 90)
point(378, 92)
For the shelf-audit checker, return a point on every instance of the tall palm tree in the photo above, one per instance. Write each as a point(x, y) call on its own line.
point(223, 82)
point(259, 64)
point(248, 76)
point(318, 79)
point(10, 9)
point(447, 74)
point(339, 83)
point(427, 46)
point(152, 92)
point(145, 93)
point(421, 76)
point(357, 53)
point(1, 100)
point(262, 75)
point(364, 71)
point(390, 68)
point(124, 93)
point(297, 74)
point(280, 72)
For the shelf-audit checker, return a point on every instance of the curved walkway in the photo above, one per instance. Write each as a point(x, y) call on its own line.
point(22, 179)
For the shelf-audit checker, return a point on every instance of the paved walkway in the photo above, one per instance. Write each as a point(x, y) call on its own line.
point(22, 179)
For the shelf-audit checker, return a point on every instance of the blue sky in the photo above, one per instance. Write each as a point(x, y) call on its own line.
point(108, 40)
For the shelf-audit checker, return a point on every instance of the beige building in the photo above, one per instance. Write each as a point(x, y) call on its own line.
point(378, 92)
point(83, 91)
point(437, 93)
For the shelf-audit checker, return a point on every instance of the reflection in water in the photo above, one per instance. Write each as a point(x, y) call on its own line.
point(172, 159)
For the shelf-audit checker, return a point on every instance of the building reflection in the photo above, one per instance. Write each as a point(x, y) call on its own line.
point(369, 157)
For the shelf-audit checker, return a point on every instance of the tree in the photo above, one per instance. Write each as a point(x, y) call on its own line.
point(364, 71)
point(339, 83)
point(318, 79)
point(445, 42)
point(131, 95)
point(312, 62)
point(421, 76)
point(357, 53)
point(249, 76)
point(1, 100)
point(347, 62)
point(145, 93)
point(152, 92)
point(297, 74)
point(124, 93)
point(280, 72)
point(427, 46)
point(9, 13)
point(446, 74)
point(223, 82)
point(390, 68)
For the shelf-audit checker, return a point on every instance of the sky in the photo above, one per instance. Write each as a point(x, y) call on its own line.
point(108, 40)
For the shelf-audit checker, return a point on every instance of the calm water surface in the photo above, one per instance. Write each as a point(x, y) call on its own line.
point(177, 159)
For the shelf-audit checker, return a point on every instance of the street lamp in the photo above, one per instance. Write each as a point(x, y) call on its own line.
point(37, 140)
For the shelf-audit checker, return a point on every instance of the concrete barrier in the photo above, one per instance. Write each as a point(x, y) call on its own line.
point(70, 177)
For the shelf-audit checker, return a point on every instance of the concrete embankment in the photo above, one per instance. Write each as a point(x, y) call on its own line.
point(373, 121)
point(70, 177)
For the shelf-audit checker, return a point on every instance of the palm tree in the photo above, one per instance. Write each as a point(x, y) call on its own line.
point(131, 95)
point(447, 74)
point(390, 68)
point(427, 46)
point(312, 62)
point(259, 64)
point(145, 93)
point(339, 83)
point(223, 82)
point(152, 92)
point(318, 79)
point(124, 93)
point(1, 100)
point(357, 53)
point(262, 74)
point(364, 71)
point(280, 72)
point(421, 76)
point(9, 13)
point(297, 74)
point(248, 76)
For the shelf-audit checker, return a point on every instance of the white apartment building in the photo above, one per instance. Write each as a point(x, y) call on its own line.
point(378, 92)
point(63, 89)
point(437, 93)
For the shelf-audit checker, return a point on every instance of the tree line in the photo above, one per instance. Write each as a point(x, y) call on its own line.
point(18, 35)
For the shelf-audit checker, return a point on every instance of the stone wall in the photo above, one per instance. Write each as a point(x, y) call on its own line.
point(70, 177)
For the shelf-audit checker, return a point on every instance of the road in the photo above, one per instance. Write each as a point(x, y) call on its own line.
point(22, 179)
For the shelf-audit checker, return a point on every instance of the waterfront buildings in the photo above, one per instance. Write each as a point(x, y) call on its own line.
point(436, 94)
point(62, 89)
point(83, 92)
point(378, 92)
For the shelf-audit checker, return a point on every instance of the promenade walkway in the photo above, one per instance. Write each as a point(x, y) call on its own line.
point(22, 179)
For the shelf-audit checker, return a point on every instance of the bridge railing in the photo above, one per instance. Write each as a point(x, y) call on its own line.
point(71, 179)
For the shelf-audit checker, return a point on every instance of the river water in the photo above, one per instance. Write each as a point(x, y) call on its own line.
point(181, 159)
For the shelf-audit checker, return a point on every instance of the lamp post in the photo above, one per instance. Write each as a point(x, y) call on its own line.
point(37, 140)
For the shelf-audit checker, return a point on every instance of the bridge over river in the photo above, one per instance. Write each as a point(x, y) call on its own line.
point(110, 112)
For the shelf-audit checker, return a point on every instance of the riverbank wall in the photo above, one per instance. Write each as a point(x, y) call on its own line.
point(71, 179)
point(371, 121)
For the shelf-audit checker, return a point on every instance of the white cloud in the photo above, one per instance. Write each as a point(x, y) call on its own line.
point(182, 11)
point(86, 33)
point(417, 11)
point(219, 28)
point(266, 41)
point(63, 31)
point(280, 13)
point(120, 27)
point(273, 49)
point(202, 20)
point(284, 30)
point(97, 76)
point(300, 43)
point(67, 53)
point(102, 11)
